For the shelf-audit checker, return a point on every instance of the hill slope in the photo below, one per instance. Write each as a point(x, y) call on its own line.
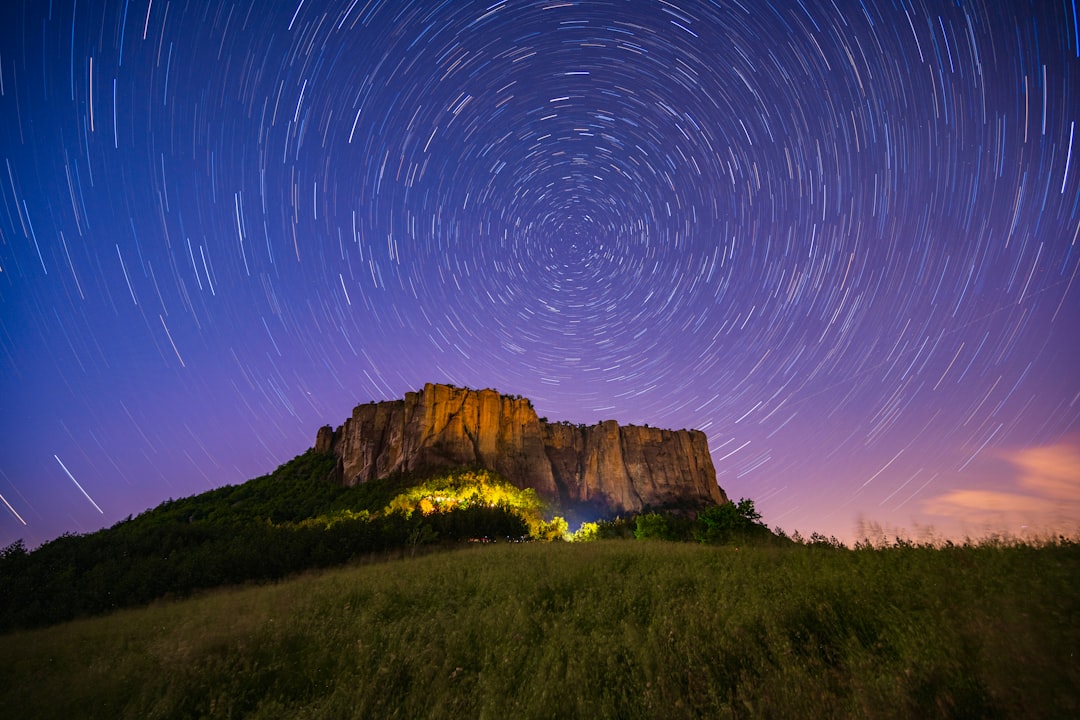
point(605, 630)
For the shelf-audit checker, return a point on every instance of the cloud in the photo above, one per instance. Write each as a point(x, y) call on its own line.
point(973, 504)
point(1052, 471)
point(1043, 492)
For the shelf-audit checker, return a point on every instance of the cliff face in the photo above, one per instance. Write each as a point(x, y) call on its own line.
point(605, 466)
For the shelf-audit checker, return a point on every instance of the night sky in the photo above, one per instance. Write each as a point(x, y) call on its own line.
point(842, 238)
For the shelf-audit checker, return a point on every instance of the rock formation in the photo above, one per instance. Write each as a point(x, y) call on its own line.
point(606, 467)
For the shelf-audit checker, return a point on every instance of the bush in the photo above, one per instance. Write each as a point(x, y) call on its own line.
point(652, 526)
point(730, 523)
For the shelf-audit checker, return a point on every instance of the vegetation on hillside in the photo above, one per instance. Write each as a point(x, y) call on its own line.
point(598, 630)
point(295, 519)
point(292, 520)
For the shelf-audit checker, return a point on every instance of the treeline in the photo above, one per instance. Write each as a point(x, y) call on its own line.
point(292, 520)
point(732, 523)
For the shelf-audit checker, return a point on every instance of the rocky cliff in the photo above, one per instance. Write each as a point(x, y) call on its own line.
point(606, 467)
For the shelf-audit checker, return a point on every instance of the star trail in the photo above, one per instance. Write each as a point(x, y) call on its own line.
point(842, 238)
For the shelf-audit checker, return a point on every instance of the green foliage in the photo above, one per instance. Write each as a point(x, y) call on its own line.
point(604, 629)
point(618, 528)
point(298, 489)
point(730, 522)
point(652, 526)
point(552, 530)
point(467, 488)
point(819, 540)
point(587, 532)
point(746, 510)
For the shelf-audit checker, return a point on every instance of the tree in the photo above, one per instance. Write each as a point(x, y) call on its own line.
point(555, 529)
point(421, 534)
point(651, 526)
point(729, 522)
point(588, 532)
point(745, 509)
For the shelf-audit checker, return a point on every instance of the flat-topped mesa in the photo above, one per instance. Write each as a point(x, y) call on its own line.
point(608, 467)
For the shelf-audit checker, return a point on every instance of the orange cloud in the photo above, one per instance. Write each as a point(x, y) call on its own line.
point(1043, 493)
point(1052, 471)
point(975, 504)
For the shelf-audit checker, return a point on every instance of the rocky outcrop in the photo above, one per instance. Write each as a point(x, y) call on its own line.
point(606, 467)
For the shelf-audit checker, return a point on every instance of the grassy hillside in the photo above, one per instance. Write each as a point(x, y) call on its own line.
point(294, 519)
point(616, 629)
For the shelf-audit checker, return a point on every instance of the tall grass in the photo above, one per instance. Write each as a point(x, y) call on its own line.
point(599, 630)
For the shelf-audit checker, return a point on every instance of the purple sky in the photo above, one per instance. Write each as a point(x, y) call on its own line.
point(842, 238)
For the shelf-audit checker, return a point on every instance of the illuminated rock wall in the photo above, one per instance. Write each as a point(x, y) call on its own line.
point(608, 467)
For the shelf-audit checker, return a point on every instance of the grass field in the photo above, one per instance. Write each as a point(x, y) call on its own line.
point(616, 629)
